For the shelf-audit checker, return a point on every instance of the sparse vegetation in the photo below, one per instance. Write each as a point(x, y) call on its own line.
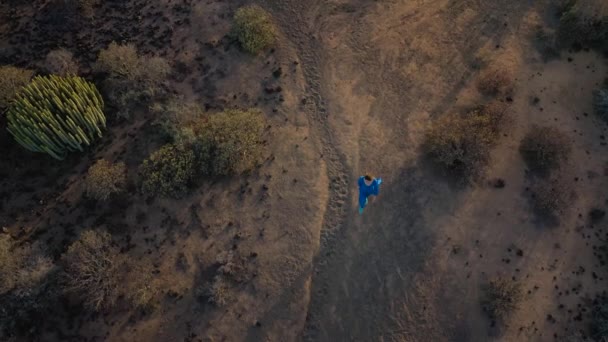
point(254, 29)
point(599, 322)
point(545, 148)
point(168, 171)
point(91, 267)
point(551, 196)
point(584, 23)
point(131, 78)
point(600, 103)
point(461, 144)
point(57, 115)
point(501, 298)
point(495, 80)
point(61, 62)
point(9, 264)
point(218, 291)
point(232, 266)
point(105, 179)
point(27, 288)
point(230, 142)
point(12, 79)
point(546, 44)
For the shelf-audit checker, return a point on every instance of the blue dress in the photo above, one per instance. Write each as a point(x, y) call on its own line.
point(367, 190)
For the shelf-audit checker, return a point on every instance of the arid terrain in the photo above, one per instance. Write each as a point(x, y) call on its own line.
point(349, 87)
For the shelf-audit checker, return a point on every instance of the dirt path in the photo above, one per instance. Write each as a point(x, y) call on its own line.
point(376, 73)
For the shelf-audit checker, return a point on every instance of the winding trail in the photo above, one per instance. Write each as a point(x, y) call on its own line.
point(291, 15)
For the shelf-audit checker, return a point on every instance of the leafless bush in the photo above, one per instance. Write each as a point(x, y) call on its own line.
point(91, 267)
point(233, 266)
point(61, 62)
point(501, 298)
point(495, 80)
point(141, 288)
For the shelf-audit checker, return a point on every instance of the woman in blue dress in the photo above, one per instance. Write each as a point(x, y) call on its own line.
point(368, 186)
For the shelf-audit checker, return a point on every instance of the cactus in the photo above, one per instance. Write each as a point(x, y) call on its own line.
point(56, 115)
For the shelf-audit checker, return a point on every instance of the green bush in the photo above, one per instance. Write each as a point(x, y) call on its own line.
point(461, 144)
point(176, 118)
point(91, 266)
point(105, 179)
point(254, 29)
point(61, 62)
point(12, 79)
point(545, 148)
point(130, 78)
point(584, 22)
point(501, 297)
point(168, 171)
point(57, 115)
point(600, 103)
point(230, 142)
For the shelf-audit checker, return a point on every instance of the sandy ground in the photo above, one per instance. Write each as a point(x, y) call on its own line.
point(361, 80)
point(411, 269)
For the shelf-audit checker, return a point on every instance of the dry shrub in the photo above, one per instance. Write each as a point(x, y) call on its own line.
point(95, 270)
point(218, 291)
point(105, 179)
point(21, 267)
point(91, 266)
point(501, 297)
point(131, 78)
point(600, 103)
point(545, 148)
point(584, 23)
point(12, 79)
point(141, 288)
point(460, 144)
point(253, 28)
point(9, 264)
point(233, 266)
point(230, 142)
point(60, 62)
point(176, 118)
point(27, 288)
point(86, 7)
point(552, 196)
point(495, 80)
point(168, 171)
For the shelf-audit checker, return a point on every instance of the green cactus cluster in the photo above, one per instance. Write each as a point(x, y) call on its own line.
point(57, 115)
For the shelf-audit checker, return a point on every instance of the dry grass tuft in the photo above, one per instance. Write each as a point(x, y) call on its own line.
point(501, 298)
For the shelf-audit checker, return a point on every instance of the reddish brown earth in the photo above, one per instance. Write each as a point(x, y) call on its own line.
point(360, 80)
